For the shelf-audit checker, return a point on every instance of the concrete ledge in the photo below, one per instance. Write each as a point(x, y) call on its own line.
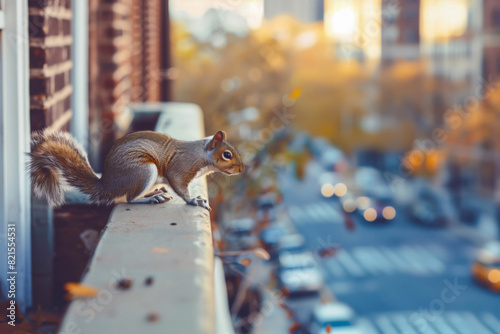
point(163, 251)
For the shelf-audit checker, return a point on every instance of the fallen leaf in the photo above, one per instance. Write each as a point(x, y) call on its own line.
point(161, 250)
point(245, 262)
point(153, 317)
point(295, 93)
point(124, 284)
point(78, 290)
point(262, 253)
point(285, 292)
point(349, 222)
point(327, 252)
point(148, 281)
point(294, 327)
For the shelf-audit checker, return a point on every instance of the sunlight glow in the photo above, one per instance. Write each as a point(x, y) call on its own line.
point(443, 19)
point(342, 22)
point(354, 25)
point(251, 10)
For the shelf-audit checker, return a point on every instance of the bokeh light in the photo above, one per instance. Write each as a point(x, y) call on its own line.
point(363, 202)
point(389, 212)
point(494, 276)
point(340, 189)
point(327, 190)
point(349, 205)
point(370, 214)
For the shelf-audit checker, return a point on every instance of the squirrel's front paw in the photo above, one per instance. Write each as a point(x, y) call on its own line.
point(192, 201)
point(199, 201)
point(203, 203)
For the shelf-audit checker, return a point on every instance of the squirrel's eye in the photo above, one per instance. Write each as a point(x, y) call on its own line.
point(227, 155)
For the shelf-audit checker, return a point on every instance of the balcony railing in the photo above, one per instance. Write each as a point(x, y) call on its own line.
point(154, 266)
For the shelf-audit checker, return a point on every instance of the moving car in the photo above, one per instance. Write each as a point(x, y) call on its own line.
point(486, 268)
point(428, 210)
point(292, 244)
point(375, 209)
point(370, 182)
point(335, 318)
point(299, 273)
point(239, 234)
point(266, 206)
point(430, 205)
point(271, 236)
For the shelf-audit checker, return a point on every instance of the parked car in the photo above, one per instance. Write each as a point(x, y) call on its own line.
point(486, 268)
point(375, 210)
point(335, 318)
point(239, 234)
point(266, 206)
point(291, 244)
point(428, 210)
point(430, 206)
point(271, 236)
point(370, 182)
point(329, 156)
point(299, 273)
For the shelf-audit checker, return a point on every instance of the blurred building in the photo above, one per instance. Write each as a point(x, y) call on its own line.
point(72, 66)
point(400, 31)
point(452, 44)
point(128, 48)
point(354, 26)
point(307, 11)
point(491, 41)
point(251, 11)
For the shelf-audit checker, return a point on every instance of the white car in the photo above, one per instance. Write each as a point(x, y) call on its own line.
point(239, 234)
point(299, 273)
point(292, 243)
point(340, 318)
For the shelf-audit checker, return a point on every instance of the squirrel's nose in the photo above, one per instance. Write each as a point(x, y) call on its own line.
point(241, 169)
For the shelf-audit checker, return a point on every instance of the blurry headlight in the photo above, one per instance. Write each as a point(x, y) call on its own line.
point(370, 214)
point(327, 190)
point(389, 212)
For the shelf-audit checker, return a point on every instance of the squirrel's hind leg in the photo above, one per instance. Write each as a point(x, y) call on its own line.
point(146, 177)
point(160, 190)
point(155, 199)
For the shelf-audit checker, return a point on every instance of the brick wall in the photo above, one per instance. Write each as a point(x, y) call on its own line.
point(50, 63)
point(491, 39)
point(125, 62)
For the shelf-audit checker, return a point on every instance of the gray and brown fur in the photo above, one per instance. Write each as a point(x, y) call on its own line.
point(134, 164)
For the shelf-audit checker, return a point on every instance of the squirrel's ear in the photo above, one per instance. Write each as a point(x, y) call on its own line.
point(218, 138)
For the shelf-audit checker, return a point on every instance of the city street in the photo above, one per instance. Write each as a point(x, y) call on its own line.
point(399, 277)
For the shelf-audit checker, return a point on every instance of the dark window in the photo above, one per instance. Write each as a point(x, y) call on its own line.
point(485, 67)
point(496, 17)
point(411, 13)
point(411, 36)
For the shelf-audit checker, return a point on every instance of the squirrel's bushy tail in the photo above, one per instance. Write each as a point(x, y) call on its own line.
point(58, 160)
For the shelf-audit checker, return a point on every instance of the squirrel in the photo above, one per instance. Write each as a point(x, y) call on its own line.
point(135, 163)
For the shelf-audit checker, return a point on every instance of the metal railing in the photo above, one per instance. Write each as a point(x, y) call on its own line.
point(154, 266)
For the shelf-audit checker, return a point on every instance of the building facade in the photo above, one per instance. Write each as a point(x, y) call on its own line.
point(400, 31)
point(306, 11)
point(72, 66)
point(491, 41)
